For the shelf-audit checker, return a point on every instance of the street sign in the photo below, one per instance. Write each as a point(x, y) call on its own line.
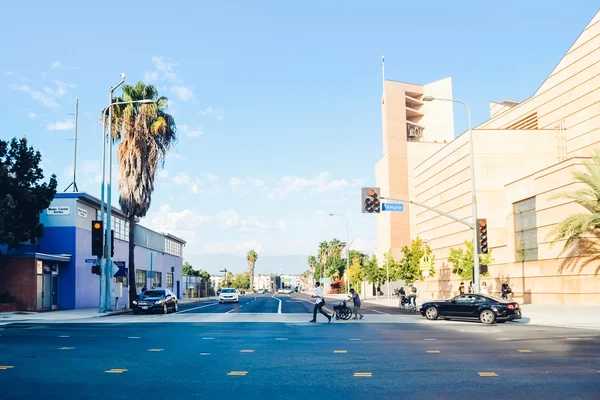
point(325, 280)
point(94, 261)
point(119, 269)
point(392, 207)
point(426, 262)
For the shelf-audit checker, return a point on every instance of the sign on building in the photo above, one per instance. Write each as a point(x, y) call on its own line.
point(59, 210)
point(81, 212)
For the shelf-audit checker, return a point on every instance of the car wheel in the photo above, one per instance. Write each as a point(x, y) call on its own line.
point(487, 317)
point(165, 309)
point(431, 313)
point(176, 307)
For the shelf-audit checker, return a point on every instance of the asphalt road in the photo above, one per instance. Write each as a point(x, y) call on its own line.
point(297, 361)
point(270, 303)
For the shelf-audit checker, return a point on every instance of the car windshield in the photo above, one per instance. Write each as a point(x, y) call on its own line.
point(153, 293)
point(228, 291)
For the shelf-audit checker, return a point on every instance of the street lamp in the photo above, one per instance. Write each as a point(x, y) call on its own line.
point(347, 241)
point(476, 277)
point(107, 262)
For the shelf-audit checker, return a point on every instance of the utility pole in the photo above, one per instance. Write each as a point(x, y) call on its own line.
point(74, 183)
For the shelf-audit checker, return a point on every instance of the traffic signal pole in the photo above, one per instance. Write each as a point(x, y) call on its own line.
point(435, 210)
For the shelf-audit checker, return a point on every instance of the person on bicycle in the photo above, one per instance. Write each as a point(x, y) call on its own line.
point(402, 295)
point(412, 296)
point(356, 299)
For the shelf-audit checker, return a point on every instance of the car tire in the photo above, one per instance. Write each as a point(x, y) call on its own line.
point(431, 313)
point(487, 317)
point(165, 309)
point(176, 307)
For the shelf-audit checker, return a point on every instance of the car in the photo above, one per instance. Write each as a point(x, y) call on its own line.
point(280, 290)
point(229, 295)
point(261, 291)
point(156, 300)
point(487, 309)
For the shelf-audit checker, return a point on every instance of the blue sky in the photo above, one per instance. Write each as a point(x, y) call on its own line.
point(277, 103)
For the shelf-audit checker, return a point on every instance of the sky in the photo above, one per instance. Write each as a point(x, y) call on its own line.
point(277, 104)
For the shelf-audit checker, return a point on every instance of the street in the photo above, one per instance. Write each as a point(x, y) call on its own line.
point(120, 358)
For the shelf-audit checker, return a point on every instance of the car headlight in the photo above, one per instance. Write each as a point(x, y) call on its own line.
point(135, 302)
point(159, 302)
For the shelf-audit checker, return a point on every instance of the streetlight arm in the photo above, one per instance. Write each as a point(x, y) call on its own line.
point(470, 225)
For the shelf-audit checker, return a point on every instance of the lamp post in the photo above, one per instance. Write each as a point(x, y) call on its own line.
point(347, 239)
point(476, 277)
point(106, 262)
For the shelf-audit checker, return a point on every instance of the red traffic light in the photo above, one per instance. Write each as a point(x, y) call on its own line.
point(97, 225)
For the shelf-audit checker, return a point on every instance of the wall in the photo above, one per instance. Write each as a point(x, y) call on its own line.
point(61, 239)
point(19, 279)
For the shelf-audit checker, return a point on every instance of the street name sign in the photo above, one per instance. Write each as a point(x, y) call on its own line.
point(392, 207)
point(94, 261)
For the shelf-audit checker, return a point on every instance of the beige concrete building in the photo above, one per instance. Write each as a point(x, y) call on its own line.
point(524, 153)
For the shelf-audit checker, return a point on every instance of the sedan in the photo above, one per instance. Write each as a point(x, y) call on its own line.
point(486, 309)
point(228, 295)
point(156, 300)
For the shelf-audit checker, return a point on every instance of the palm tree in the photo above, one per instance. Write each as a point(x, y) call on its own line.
point(251, 257)
point(323, 252)
point(312, 262)
point(334, 248)
point(146, 132)
point(578, 228)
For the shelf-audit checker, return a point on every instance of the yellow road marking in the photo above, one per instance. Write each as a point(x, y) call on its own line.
point(524, 351)
point(246, 351)
point(115, 371)
point(433, 351)
point(5, 367)
point(487, 374)
point(363, 374)
point(155, 350)
point(340, 351)
point(66, 348)
point(237, 373)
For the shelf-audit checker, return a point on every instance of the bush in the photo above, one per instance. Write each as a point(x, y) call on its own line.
point(337, 287)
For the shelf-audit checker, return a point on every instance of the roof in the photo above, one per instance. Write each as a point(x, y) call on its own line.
point(86, 198)
point(168, 235)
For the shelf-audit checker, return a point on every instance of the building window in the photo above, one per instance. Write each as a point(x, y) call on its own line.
point(119, 226)
point(123, 279)
point(170, 280)
point(526, 243)
point(140, 278)
point(172, 247)
point(157, 281)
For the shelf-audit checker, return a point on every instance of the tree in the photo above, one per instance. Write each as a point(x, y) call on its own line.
point(241, 281)
point(323, 252)
point(147, 133)
point(355, 254)
point(373, 272)
point(318, 274)
point(227, 280)
point(356, 273)
point(334, 248)
point(576, 227)
point(463, 261)
point(409, 268)
point(312, 262)
point(334, 268)
point(187, 269)
point(251, 257)
point(22, 196)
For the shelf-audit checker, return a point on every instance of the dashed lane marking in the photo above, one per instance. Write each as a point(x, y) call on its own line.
point(429, 339)
point(115, 371)
point(246, 351)
point(5, 367)
point(155, 350)
point(487, 374)
point(230, 311)
point(281, 338)
point(64, 336)
point(237, 373)
point(572, 338)
point(433, 351)
point(377, 311)
point(355, 340)
point(340, 351)
point(196, 308)
point(134, 337)
point(524, 351)
point(204, 354)
point(66, 348)
point(208, 338)
point(363, 374)
point(502, 338)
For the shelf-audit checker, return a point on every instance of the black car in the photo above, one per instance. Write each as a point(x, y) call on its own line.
point(156, 300)
point(486, 309)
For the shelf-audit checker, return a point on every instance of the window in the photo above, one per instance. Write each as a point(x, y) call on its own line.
point(140, 278)
point(172, 247)
point(170, 280)
point(118, 225)
point(123, 279)
point(526, 244)
point(157, 281)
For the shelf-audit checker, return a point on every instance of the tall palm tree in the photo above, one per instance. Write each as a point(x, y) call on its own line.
point(146, 132)
point(323, 252)
point(334, 248)
point(251, 257)
point(579, 227)
point(312, 262)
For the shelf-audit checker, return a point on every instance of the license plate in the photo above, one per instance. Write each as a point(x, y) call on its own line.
point(144, 307)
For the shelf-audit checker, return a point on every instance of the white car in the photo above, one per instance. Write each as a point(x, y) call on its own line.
point(261, 291)
point(229, 295)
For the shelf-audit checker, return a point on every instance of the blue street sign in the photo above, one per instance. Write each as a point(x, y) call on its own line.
point(94, 261)
point(121, 271)
point(392, 207)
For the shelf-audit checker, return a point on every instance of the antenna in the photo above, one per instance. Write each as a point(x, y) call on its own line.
point(383, 73)
point(74, 183)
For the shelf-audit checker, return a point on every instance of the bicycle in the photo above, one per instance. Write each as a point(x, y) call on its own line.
point(342, 311)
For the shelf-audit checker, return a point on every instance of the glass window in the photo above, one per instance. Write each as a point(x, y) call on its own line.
point(172, 247)
point(170, 279)
point(140, 278)
point(124, 279)
point(526, 243)
point(157, 281)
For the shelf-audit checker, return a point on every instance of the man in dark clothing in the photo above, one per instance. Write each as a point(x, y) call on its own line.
point(319, 303)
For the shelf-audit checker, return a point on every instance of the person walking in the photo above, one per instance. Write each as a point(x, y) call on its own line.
point(461, 288)
point(484, 289)
point(319, 303)
point(356, 299)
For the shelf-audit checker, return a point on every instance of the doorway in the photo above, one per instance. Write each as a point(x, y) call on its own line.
point(47, 286)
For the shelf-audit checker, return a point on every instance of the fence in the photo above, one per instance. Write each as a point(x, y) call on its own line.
point(196, 287)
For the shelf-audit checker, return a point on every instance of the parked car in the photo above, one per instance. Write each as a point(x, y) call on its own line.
point(487, 309)
point(261, 291)
point(156, 300)
point(229, 295)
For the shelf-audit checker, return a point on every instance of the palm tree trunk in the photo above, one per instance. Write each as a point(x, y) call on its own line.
point(132, 288)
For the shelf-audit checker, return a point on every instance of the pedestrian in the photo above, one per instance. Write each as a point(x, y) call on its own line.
point(412, 294)
point(484, 289)
point(356, 299)
point(319, 303)
point(461, 288)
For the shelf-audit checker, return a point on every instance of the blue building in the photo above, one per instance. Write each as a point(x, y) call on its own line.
point(54, 274)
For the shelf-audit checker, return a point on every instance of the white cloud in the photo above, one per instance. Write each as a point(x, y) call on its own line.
point(65, 125)
point(210, 177)
point(236, 182)
point(217, 113)
point(55, 64)
point(31, 115)
point(190, 131)
point(293, 184)
point(364, 245)
point(184, 93)
point(88, 172)
point(181, 178)
point(282, 225)
point(15, 74)
point(238, 248)
point(150, 76)
point(45, 100)
point(162, 174)
point(195, 188)
point(163, 70)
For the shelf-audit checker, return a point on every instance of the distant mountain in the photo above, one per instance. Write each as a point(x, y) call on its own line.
point(265, 264)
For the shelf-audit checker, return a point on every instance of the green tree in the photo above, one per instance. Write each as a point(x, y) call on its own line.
point(312, 263)
point(356, 273)
point(463, 261)
point(318, 274)
point(323, 252)
point(251, 257)
point(22, 196)
point(146, 133)
point(373, 272)
point(334, 248)
point(582, 228)
point(334, 268)
point(187, 269)
point(241, 281)
point(409, 268)
point(355, 254)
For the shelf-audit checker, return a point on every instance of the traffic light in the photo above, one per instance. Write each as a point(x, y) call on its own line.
point(96, 269)
point(371, 202)
point(97, 238)
point(482, 236)
point(112, 243)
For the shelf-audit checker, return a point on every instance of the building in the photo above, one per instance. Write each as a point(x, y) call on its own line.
point(525, 153)
point(56, 273)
